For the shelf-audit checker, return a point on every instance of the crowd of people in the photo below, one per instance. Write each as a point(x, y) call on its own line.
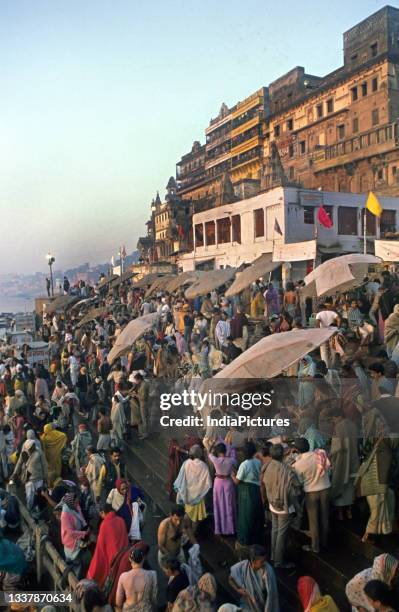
point(66, 428)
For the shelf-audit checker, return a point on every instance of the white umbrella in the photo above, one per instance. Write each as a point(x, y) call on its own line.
point(270, 356)
point(261, 266)
point(338, 274)
point(209, 281)
point(130, 334)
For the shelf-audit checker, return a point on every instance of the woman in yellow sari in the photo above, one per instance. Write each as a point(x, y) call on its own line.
point(311, 598)
point(53, 442)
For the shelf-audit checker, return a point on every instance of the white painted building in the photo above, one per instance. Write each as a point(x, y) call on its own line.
point(238, 233)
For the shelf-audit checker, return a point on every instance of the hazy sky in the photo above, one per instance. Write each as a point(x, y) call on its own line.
point(99, 99)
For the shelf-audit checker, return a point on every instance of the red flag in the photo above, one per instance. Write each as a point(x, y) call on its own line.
point(324, 218)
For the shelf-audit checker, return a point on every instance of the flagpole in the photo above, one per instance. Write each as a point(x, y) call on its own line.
point(365, 228)
point(315, 238)
point(274, 229)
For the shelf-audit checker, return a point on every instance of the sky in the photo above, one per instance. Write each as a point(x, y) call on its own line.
point(99, 100)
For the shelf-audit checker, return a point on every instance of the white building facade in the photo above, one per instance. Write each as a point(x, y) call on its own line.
point(238, 233)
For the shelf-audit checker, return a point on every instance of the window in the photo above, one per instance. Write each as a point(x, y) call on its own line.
point(347, 221)
point(291, 173)
point(374, 49)
point(319, 111)
point(330, 105)
point(354, 58)
point(199, 235)
point(259, 222)
point(394, 169)
point(341, 131)
point(210, 233)
point(364, 89)
point(236, 228)
point(290, 124)
point(223, 227)
point(355, 125)
point(388, 221)
point(374, 117)
point(354, 94)
point(374, 84)
point(302, 147)
point(291, 150)
point(308, 215)
point(276, 131)
point(370, 222)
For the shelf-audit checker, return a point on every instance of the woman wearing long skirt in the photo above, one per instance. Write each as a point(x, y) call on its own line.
point(250, 510)
point(224, 495)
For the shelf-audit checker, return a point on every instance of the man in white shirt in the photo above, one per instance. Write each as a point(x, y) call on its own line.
point(312, 470)
point(327, 317)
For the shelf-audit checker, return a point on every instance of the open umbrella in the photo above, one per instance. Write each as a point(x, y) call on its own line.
point(123, 277)
point(269, 357)
point(338, 274)
point(145, 281)
point(159, 284)
point(130, 334)
point(106, 280)
point(93, 314)
point(185, 278)
point(62, 302)
point(261, 266)
point(209, 281)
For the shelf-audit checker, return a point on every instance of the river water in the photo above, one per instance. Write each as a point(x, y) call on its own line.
point(16, 304)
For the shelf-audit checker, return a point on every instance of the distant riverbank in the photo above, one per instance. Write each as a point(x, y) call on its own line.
point(16, 304)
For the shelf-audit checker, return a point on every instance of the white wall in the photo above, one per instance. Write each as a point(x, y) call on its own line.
point(287, 206)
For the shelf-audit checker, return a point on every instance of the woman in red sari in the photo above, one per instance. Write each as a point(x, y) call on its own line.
point(112, 537)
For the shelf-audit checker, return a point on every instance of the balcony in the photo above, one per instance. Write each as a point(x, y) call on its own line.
point(247, 156)
point(374, 142)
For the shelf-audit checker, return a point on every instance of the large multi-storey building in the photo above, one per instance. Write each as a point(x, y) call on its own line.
point(342, 134)
point(338, 132)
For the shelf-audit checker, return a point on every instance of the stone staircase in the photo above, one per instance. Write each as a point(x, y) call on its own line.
point(147, 463)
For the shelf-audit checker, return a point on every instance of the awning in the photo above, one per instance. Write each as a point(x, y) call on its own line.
point(159, 284)
point(388, 250)
point(130, 334)
point(209, 281)
point(261, 266)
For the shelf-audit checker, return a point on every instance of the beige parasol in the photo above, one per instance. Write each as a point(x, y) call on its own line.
point(261, 266)
point(269, 357)
point(185, 278)
point(62, 302)
point(93, 314)
point(130, 334)
point(123, 277)
point(145, 281)
point(159, 284)
point(209, 281)
point(106, 280)
point(338, 274)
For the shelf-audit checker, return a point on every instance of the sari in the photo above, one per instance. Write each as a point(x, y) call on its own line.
point(261, 585)
point(311, 598)
point(198, 598)
point(53, 442)
point(384, 568)
point(192, 485)
point(112, 537)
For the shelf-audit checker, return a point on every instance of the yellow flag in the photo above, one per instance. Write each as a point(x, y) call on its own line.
point(373, 205)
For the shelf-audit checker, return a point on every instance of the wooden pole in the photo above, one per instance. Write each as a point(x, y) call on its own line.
point(365, 229)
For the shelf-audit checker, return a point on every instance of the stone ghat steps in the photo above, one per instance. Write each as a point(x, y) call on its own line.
point(146, 471)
